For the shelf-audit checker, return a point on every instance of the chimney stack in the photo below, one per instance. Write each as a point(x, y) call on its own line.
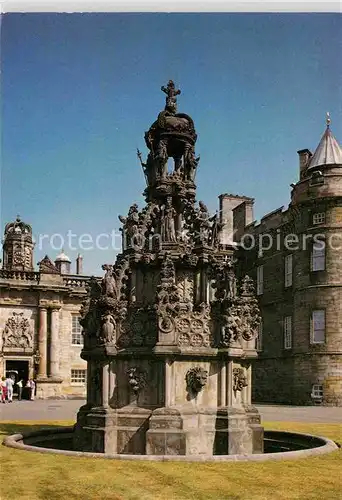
point(304, 158)
point(79, 264)
point(228, 203)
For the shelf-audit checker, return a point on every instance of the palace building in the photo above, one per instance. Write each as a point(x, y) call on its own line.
point(295, 256)
point(40, 334)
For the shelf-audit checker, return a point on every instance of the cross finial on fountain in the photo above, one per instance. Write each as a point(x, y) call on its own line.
point(171, 94)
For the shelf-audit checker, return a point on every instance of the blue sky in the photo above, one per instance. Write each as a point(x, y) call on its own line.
point(80, 90)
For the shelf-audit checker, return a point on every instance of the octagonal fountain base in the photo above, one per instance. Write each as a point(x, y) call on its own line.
point(278, 445)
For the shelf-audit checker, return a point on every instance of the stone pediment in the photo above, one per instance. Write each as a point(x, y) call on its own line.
point(46, 266)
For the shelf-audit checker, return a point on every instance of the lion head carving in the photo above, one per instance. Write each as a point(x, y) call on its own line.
point(196, 378)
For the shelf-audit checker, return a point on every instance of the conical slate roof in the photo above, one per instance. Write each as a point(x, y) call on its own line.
point(328, 151)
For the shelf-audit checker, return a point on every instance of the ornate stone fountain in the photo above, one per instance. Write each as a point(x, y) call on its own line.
point(169, 333)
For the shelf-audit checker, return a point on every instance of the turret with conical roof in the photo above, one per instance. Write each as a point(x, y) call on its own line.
point(321, 172)
point(328, 151)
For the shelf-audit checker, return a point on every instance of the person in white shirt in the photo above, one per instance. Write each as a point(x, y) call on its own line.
point(20, 388)
point(3, 390)
point(9, 387)
point(32, 385)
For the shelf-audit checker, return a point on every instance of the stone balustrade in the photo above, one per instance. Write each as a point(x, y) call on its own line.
point(20, 275)
point(78, 282)
point(75, 282)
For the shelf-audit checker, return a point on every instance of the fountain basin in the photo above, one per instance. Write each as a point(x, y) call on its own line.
point(278, 445)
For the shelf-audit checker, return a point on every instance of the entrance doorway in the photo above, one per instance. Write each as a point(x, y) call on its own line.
point(18, 370)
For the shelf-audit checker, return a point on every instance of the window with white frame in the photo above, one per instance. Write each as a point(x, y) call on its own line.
point(76, 330)
point(288, 332)
point(318, 327)
point(288, 270)
point(318, 218)
point(318, 256)
point(78, 376)
point(317, 391)
point(258, 340)
point(260, 280)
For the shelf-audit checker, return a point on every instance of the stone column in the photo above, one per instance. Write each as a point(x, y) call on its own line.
point(54, 358)
point(229, 382)
point(113, 397)
point(134, 285)
point(105, 386)
point(223, 395)
point(204, 287)
point(90, 398)
point(168, 382)
point(249, 387)
point(42, 341)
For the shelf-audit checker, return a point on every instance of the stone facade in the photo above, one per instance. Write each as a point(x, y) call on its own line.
point(36, 319)
point(293, 366)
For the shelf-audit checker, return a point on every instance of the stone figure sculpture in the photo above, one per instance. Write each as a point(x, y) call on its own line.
point(190, 162)
point(201, 223)
point(108, 329)
point(109, 283)
point(239, 379)
point(231, 282)
point(168, 232)
point(215, 231)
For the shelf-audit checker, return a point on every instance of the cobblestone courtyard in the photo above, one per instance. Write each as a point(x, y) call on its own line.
point(67, 410)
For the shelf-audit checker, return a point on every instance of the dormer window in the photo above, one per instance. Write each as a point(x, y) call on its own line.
point(318, 218)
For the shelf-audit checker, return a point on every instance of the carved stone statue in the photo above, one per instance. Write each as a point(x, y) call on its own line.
point(216, 228)
point(200, 224)
point(104, 310)
point(190, 162)
point(161, 157)
point(109, 283)
point(247, 287)
point(239, 379)
point(129, 224)
point(225, 280)
point(196, 378)
point(149, 168)
point(231, 280)
point(108, 329)
point(168, 232)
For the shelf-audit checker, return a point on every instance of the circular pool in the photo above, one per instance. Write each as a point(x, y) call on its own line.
point(278, 445)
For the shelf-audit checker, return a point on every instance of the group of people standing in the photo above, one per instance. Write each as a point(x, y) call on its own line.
point(7, 385)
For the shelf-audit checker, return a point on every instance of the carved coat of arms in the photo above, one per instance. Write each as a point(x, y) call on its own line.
point(17, 332)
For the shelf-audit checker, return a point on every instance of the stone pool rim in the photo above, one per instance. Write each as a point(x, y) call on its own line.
point(16, 441)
